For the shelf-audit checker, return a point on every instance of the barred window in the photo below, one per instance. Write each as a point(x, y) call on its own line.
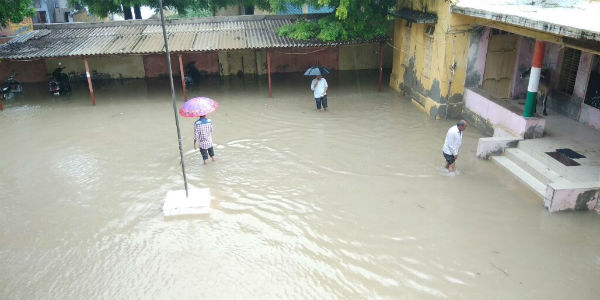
point(568, 71)
point(429, 29)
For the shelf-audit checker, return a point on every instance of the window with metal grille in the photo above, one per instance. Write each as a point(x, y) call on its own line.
point(592, 96)
point(568, 71)
point(406, 44)
point(428, 49)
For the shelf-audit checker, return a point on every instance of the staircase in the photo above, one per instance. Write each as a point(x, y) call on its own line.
point(535, 172)
point(560, 187)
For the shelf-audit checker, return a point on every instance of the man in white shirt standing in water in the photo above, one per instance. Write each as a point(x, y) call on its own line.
point(319, 86)
point(452, 144)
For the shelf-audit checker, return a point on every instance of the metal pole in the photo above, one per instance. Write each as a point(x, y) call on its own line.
point(164, 30)
point(182, 78)
point(1, 106)
point(452, 68)
point(269, 70)
point(380, 64)
point(89, 79)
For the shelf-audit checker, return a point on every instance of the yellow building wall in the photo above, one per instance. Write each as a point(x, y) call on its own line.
point(449, 47)
point(114, 67)
point(83, 16)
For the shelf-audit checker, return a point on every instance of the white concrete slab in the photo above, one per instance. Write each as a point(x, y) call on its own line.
point(197, 202)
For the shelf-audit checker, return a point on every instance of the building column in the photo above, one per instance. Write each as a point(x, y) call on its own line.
point(269, 70)
point(380, 64)
point(89, 79)
point(181, 73)
point(534, 78)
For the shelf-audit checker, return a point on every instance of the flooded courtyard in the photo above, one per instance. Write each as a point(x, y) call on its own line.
point(352, 203)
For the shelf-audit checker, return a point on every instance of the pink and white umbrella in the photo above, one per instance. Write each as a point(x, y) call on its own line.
point(199, 106)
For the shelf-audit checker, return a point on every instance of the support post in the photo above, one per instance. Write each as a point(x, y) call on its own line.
point(1, 106)
point(380, 64)
point(182, 78)
point(168, 55)
point(269, 70)
point(534, 78)
point(89, 79)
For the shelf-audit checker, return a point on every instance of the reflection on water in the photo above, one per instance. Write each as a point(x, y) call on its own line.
point(346, 204)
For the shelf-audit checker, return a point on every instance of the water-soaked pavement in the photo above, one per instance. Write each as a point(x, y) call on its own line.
point(352, 203)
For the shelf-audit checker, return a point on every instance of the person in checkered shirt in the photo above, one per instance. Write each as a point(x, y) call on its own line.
point(203, 137)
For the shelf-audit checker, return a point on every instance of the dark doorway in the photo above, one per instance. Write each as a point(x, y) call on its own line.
point(42, 17)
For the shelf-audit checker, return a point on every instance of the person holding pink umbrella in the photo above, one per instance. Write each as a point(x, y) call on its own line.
point(203, 137)
point(203, 127)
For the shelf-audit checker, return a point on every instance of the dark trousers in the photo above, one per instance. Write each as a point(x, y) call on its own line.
point(206, 152)
point(322, 100)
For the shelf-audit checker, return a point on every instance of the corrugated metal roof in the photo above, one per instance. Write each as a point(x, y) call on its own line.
point(145, 37)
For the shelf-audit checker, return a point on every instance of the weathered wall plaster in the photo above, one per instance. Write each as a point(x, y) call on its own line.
point(501, 117)
point(580, 196)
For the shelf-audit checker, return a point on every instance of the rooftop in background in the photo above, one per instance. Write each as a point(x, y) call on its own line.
point(145, 37)
point(570, 18)
point(291, 9)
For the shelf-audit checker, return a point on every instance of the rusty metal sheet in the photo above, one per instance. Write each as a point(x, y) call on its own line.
point(141, 37)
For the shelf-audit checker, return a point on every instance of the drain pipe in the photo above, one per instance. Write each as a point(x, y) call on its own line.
point(452, 68)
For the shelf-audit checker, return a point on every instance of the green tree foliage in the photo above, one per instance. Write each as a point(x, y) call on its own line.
point(192, 13)
point(103, 8)
point(15, 10)
point(353, 19)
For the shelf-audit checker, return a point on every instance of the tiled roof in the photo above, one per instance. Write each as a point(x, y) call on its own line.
point(145, 36)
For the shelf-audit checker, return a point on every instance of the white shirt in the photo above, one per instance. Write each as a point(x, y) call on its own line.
point(453, 141)
point(320, 88)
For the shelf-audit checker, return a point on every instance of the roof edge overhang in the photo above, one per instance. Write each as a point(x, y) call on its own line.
point(414, 16)
point(217, 19)
point(538, 25)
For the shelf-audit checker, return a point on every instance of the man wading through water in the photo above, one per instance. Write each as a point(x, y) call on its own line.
point(452, 144)
point(319, 86)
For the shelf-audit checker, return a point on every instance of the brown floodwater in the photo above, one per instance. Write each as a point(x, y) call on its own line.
point(352, 203)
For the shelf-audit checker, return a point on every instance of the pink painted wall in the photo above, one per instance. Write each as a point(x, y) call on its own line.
point(583, 74)
point(523, 62)
point(498, 115)
point(482, 49)
point(590, 116)
point(551, 61)
point(558, 199)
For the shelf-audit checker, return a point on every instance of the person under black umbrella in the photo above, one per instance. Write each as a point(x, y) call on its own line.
point(319, 86)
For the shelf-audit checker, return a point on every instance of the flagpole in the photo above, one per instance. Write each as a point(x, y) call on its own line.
point(164, 30)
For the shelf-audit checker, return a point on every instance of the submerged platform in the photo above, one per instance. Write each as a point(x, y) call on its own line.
point(563, 186)
point(177, 204)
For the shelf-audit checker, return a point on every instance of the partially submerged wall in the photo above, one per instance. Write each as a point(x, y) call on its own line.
point(104, 67)
point(423, 61)
point(25, 71)
point(300, 59)
point(364, 56)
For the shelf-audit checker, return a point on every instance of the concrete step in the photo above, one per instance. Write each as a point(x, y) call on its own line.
point(530, 181)
point(540, 170)
point(542, 157)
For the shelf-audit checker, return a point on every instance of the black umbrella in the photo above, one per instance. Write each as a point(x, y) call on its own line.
point(316, 71)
